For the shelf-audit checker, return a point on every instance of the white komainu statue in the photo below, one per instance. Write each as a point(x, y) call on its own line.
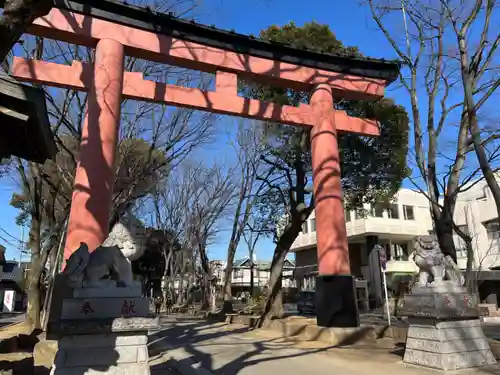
point(432, 262)
point(126, 242)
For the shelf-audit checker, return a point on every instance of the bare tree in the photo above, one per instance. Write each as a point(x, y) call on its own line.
point(152, 142)
point(191, 206)
point(248, 148)
point(251, 237)
point(430, 63)
point(480, 78)
point(33, 202)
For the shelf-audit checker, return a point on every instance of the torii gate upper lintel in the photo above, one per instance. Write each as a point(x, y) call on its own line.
point(107, 84)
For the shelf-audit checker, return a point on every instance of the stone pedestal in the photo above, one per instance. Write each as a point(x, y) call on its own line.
point(445, 331)
point(103, 330)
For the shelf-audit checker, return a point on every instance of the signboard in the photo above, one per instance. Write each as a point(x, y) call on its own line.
point(9, 301)
point(382, 258)
point(383, 267)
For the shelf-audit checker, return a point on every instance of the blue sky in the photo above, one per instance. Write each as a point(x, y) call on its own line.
point(350, 21)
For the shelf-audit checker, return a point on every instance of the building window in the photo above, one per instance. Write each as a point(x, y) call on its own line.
point(400, 251)
point(348, 216)
point(304, 227)
point(238, 274)
point(377, 210)
point(408, 212)
point(313, 225)
point(393, 211)
point(464, 229)
point(484, 194)
point(461, 253)
point(493, 229)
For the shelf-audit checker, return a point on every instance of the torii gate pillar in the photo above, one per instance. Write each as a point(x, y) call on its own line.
point(336, 304)
point(95, 173)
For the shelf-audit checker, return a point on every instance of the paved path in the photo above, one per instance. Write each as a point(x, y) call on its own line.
point(8, 319)
point(232, 350)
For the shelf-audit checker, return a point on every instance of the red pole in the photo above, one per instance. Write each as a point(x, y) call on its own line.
point(95, 172)
point(336, 304)
point(333, 251)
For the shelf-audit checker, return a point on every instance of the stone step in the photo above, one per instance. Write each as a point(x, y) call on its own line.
point(102, 308)
point(449, 346)
point(102, 356)
point(90, 341)
point(131, 369)
point(449, 362)
point(445, 334)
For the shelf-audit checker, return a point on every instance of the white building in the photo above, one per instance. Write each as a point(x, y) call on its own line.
point(476, 214)
point(395, 227)
point(242, 271)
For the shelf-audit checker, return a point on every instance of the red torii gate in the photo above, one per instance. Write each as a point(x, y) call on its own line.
point(107, 83)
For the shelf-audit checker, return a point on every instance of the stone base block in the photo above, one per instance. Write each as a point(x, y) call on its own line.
point(141, 369)
point(444, 306)
point(102, 353)
point(447, 345)
point(120, 326)
point(103, 340)
point(101, 356)
point(102, 308)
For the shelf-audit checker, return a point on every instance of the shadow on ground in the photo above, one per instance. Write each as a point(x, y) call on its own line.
point(193, 336)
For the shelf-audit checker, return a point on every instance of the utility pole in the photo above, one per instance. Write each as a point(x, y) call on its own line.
point(408, 47)
point(21, 247)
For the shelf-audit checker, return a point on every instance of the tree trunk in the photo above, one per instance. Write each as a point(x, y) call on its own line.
point(207, 292)
point(206, 275)
point(167, 258)
point(17, 16)
point(274, 303)
point(228, 294)
point(252, 281)
point(444, 232)
point(180, 296)
point(36, 266)
point(470, 280)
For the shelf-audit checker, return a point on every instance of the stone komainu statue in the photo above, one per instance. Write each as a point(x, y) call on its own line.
point(432, 262)
point(126, 242)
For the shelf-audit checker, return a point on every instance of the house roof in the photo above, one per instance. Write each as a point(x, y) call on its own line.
point(168, 24)
point(261, 264)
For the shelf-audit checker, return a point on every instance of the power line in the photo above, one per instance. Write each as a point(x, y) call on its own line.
point(10, 235)
point(8, 242)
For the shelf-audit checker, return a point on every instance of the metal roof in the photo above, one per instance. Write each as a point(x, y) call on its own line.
point(168, 24)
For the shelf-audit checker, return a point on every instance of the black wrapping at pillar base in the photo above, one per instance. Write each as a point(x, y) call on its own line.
point(336, 302)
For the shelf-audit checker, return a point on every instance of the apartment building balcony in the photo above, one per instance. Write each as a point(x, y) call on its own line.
point(391, 229)
point(357, 230)
point(401, 267)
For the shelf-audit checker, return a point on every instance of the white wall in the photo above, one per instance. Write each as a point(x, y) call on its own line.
point(243, 276)
point(421, 224)
point(474, 207)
